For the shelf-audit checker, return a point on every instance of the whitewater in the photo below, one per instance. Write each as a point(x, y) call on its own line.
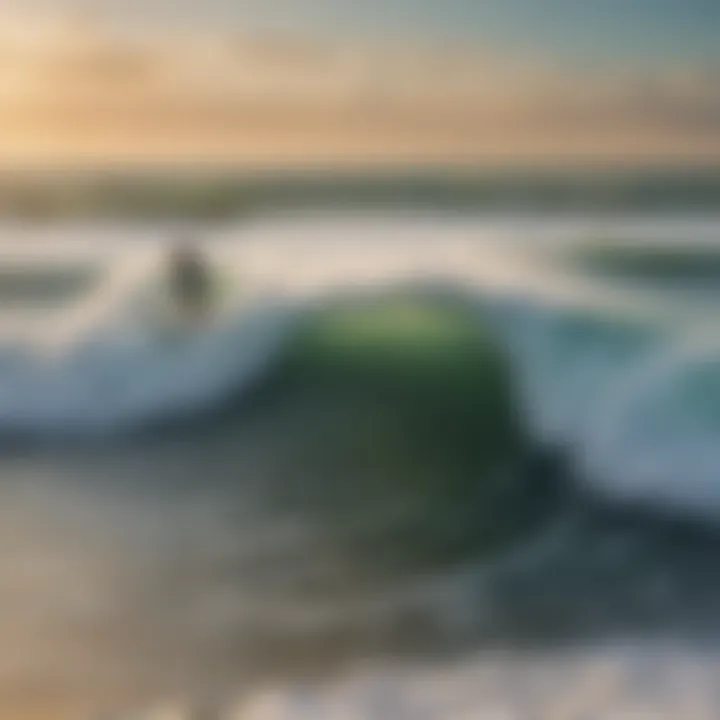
point(618, 373)
point(622, 375)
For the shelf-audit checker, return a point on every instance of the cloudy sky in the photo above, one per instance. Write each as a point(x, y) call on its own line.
point(374, 81)
point(638, 29)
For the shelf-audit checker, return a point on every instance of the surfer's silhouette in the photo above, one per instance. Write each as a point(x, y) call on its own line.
point(189, 281)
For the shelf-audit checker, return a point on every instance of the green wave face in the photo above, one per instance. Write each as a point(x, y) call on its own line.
point(404, 422)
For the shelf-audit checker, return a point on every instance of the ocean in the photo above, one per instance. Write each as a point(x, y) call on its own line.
point(192, 528)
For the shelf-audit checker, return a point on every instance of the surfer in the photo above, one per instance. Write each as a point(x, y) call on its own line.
point(189, 281)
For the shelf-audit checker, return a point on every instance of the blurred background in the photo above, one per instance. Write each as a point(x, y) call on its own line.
point(359, 360)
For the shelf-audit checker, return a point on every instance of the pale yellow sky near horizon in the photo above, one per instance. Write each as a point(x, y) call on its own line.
point(79, 93)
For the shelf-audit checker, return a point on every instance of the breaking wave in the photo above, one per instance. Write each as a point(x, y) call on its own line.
point(621, 377)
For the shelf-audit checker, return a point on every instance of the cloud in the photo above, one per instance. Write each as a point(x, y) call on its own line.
point(86, 91)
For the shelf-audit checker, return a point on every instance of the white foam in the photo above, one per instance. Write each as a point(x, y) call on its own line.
point(599, 364)
point(104, 362)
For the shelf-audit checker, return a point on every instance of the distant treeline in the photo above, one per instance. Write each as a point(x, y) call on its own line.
point(220, 195)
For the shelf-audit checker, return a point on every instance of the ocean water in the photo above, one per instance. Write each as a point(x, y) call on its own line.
point(152, 568)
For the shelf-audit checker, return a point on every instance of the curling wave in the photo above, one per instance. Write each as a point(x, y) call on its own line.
point(109, 359)
point(623, 377)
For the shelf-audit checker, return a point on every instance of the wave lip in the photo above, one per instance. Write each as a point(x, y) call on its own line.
point(112, 361)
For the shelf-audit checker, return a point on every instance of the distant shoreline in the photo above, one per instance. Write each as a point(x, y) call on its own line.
point(216, 193)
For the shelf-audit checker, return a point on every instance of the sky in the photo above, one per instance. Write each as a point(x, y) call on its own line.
point(596, 30)
point(323, 79)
